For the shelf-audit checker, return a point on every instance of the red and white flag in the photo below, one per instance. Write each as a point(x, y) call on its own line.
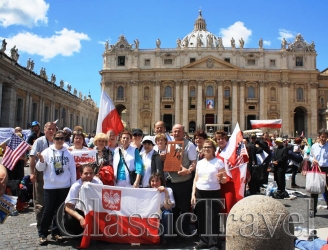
point(235, 158)
point(108, 118)
point(16, 148)
point(120, 215)
point(266, 123)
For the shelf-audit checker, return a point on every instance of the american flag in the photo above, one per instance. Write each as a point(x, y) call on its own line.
point(14, 150)
point(242, 155)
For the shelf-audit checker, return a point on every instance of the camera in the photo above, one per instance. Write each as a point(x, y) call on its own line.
point(59, 171)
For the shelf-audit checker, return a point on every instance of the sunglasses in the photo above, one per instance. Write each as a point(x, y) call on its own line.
point(59, 138)
point(137, 135)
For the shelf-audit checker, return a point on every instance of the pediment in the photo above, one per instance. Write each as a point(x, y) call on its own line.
point(210, 62)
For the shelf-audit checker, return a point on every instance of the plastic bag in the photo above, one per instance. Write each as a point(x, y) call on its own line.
point(271, 187)
point(315, 181)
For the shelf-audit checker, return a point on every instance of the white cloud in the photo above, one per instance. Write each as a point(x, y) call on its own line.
point(283, 33)
point(64, 42)
point(268, 43)
point(237, 31)
point(23, 12)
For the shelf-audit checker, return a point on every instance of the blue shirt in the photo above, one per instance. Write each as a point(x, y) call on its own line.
point(121, 166)
point(320, 153)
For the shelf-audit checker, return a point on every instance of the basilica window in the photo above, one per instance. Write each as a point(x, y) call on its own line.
point(120, 92)
point(227, 60)
point(146, 93)
point(226, 92)
point(192, 92)
point(251, 92)
point(35, 112)
point(121, 61)
point(209, 91)
point(273, 94)
point(251, 62)
point(299, 94)
point(168, 91)
point(299, 61)
point(272, 63)
point(193, 59)
point(168, 61)
point(147, 62)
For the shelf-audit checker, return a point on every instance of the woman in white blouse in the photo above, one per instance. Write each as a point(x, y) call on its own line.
point(210, 174)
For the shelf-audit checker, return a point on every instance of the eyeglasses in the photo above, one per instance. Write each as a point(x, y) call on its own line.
point(207, 147)
point(59, 138)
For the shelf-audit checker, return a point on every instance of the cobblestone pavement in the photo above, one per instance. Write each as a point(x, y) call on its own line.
point(19, 232)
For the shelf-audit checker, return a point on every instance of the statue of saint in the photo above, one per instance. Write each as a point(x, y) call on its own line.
point(75, 91)
point(233, 45)
point(199, 42)
point(53, 78)
point(241, 43)
point(136, 43)
point(32, 65)
point(106, 45)
point(178, 43)
point(220, 43)
point(158, 43)
point(209, 40)
point(61, 84)
point(4, 45)
point(283, 43)
point(28, 66)
point(69, 87)
point(261, 43)
point(13, 52)
point(186, 42)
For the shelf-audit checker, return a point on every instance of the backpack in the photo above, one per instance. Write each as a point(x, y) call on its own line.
point(106, 175)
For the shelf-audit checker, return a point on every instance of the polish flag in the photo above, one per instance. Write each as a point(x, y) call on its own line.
point(266, 123)
point(235, 159)
point(120, 215)
point(108, 118)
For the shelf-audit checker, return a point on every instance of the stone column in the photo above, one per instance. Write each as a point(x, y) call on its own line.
point(263, 104)
point(177, 100)
point(199, 121)
point(27, 109)
point(284, 107)
point(234, 104)
point(40, 120)
point(242, 105)
point(220, 102)
point(134, 104)
point(157, 101)
point(185, 101)
point(313, 121)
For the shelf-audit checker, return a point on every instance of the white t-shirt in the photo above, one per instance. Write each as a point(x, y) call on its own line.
point(207, 171)
point(146, 161)
point(171, 197)
point(74, 191)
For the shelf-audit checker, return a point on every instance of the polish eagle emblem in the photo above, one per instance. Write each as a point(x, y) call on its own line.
point(111, 199)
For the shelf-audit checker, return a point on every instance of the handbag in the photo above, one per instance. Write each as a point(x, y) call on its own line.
point(132, 174)
point(315, 180)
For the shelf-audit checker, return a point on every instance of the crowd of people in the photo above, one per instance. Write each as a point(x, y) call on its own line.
point(136, 160)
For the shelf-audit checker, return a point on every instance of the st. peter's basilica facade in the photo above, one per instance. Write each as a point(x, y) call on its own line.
point(202, 82)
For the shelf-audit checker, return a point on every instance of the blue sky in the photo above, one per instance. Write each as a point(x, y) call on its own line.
point(67, 37)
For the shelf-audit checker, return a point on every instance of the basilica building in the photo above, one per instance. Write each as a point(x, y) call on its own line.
point(201, 81)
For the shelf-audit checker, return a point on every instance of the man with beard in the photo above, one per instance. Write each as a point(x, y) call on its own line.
point(35, 132)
